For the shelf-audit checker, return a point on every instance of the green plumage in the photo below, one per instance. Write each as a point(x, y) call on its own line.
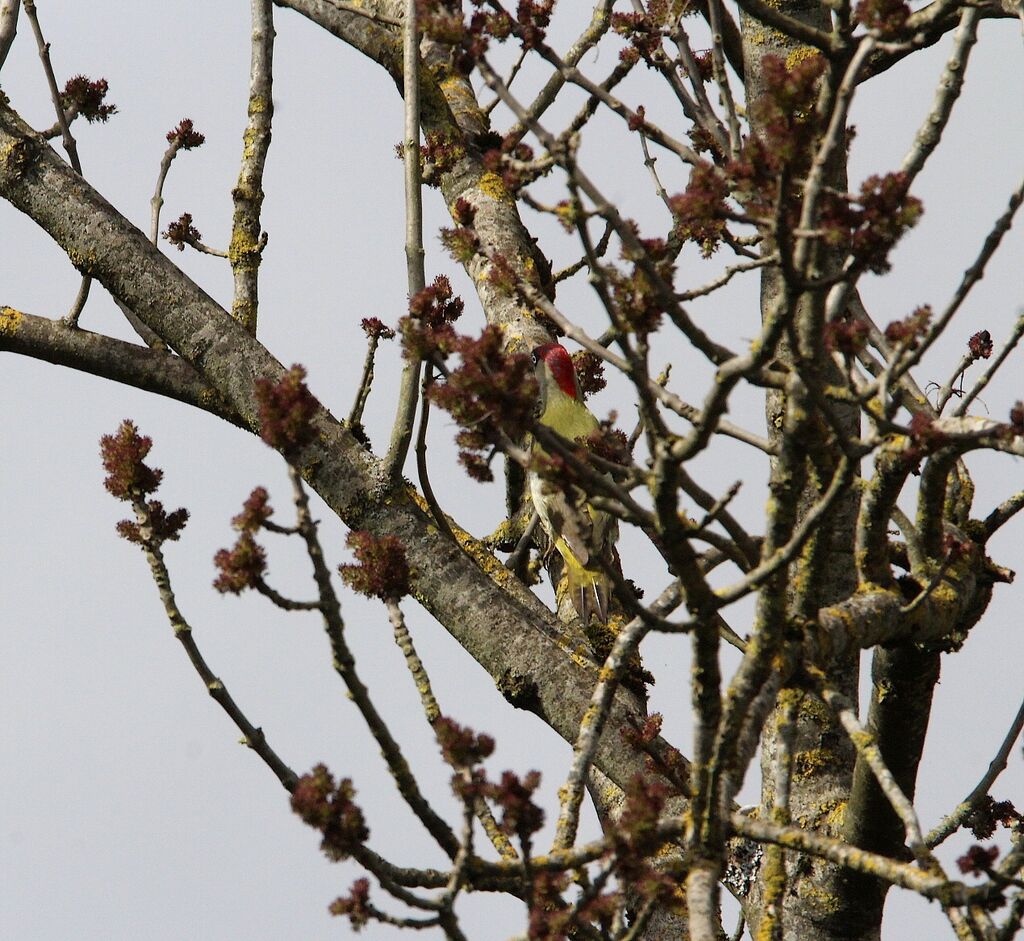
point(583, 536)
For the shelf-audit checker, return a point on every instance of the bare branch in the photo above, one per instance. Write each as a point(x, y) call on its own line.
point(1008, 347)
point(247, 238)
point(946, 93)
point(869, 752)
point(345, 667)
point(9, 10)
point(950, 824)
point(70, 145)
point(627, 641)
point(788, 26)
point(598, 26)
point(155, 371)
point(252, 736)
point(433, 712)
point(409, 388)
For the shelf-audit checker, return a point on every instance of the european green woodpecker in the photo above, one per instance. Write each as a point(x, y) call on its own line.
point(584, 536)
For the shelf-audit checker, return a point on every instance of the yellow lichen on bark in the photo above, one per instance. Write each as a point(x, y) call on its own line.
point(490, 184)
point(800, 54)
point(10, 321)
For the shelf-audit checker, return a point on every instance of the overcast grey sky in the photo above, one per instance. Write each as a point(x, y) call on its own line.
point(128, 809)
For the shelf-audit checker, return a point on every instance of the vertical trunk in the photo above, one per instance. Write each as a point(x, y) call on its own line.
point(814, 901)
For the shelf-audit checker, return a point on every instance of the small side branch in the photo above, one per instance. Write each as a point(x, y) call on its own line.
point(246, 251)
point(345, 667)
point(70, 144)
point(868, 751)
point(401, 433)
point(9, 10)
point(252, 736)
point(433, 712)
point(591, 726)
point(970, 803)
point(946, 94)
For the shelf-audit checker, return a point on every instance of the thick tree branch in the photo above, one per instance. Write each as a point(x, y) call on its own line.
point(53, 341)
point(502, 625)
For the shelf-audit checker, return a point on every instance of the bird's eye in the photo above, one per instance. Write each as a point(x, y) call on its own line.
point(535, 358)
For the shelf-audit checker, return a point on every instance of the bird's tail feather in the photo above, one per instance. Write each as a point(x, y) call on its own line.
point(590, 591)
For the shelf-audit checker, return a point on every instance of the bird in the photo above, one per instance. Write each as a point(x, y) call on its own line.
point(583, 535)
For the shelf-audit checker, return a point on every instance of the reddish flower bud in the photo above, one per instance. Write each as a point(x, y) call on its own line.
point(382, 570)
point(241, 567)
point(376, 329)
point(848, 337)
point(181, 232)
point(1017, 417)
point(461, 747)
point(87, 97)
point(590, 372)
point(980, 344)
point(978, 860)
point(255, 512)
point(464, 212)
point(128, 477)
point(356, 905)
point(286, 410)
point(636, 120)
point(521, 817)
point(331, 810)
point(185, 136)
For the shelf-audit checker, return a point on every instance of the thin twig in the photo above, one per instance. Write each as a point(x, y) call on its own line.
point(252, 736)
point(729, 273)
point(927, 884)
point(951, 823)
point(868, 751)
point(421, 459)
point(1003, 513)
point(599, 251)
point(716, 15)
point(157, 201)
point(70, 145)
point(986, 377)
point(970, 278)
point(946, 93)
point(432, 711)
point(598, 26)
point(809, 522)
point(355, 417)
point(285, 604)
point(409, 388)
point(513, 72)
point(709, 120)
point(592, 724)
point(345, 667)
point(949, 389)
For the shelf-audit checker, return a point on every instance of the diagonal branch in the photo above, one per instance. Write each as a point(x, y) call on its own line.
point(485, 608)
point(9, 10)
point(156, 371)
point(970, 803)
